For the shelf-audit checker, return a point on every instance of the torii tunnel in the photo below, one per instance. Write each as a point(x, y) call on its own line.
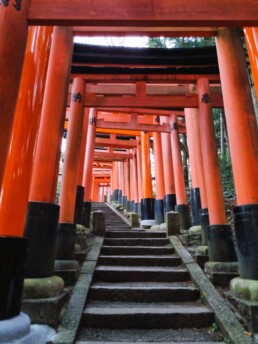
point(115, 104)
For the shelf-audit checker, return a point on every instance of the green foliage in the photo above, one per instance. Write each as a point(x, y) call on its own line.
point(227, 177)
point(181, 42)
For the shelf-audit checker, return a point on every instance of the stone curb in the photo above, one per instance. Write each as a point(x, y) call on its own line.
point(67, 331)
point(119, 214)
point(225, 318)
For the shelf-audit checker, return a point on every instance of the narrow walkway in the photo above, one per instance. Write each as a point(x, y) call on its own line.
point(141, 292)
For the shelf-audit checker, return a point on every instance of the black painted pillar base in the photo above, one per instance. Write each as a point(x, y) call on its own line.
point(147, 209)
point(66, 241)
point(220, 243)
point(79, 205)
point(169, 203)
point(184, 216)
point(246, 229)
point(41, 230)
point(115, 196)
point(12, 266)
point(119, 196)
point(204, 222)
point(124, 201)
point(159, 211)
point(130, 206)
point(86, 214)
point(196, 205)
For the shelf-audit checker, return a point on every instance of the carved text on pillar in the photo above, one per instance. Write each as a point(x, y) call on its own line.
point(16, 4)
point(93, 121)
point(205, 98)
point(77, 97)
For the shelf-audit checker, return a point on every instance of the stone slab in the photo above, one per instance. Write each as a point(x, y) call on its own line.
point(147, 224)
point(67, 331)
point(14, 328)
point(46, 310)
point(247, 309)
point(225, 318)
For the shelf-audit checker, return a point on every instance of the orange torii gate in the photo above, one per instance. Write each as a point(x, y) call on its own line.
point(144, 16)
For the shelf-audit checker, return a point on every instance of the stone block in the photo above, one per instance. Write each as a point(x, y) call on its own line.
point(147, 224)
point(221, 273)
point(98, 223)
point(195, 235)
point(173, 223)
point(244, 289)
point(134, 220)
point(46, 310)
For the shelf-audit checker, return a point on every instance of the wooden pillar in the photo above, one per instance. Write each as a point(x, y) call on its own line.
point(120, 181)
point(43, 212)
point(88, 165)
point(13, 37)
point(182, 206)
point(159, 173)
point(127, 181)
point(251, 39)
point(78, 211)
point(147, 203)
point(16, 181)
point(198, 191)
point(115, 181)
point(220, 241)
point(243, 143)
point(72, 153)
point(170, 195)
point(139, 167)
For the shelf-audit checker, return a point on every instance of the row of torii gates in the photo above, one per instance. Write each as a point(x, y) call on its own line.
point(118, 99)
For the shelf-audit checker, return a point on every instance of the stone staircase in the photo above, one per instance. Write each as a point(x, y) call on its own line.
point(141, 292)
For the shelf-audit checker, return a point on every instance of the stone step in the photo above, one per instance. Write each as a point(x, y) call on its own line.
point(152, 336)
point(136, 250)
point(143, 292)
point(140, 273)
point(135, 234)
point(120, 315)
point(136, 241)
point(151, 260)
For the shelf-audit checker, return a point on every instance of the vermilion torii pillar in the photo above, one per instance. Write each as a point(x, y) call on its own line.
point(251, 38)
point(135, 181)
point(147, 202)
point(13, 37)
point(87, 174)
point(43, 213)
point(67, 227)
point(115, 181)
point(243, 142)
point(127, 181)
point(159, 173)
point(139, 172)
point(120, 181)
point(78, 211)
point(17, 177)
point(182, 207)
point(220, 242)
point(170, 196)
point(197, 171)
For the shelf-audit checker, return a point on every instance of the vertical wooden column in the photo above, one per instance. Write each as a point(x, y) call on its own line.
point(88, 165)
point(139, 172)
point(160, 185)
point(251, 38)
point(197, 171)
point(170, 195)
point(78, 211)
point(131, 185)
point(135, 179)
point(43, 213)
point(17, 177)
point(182, 206)
point(243, 143)
point(127, 182)
point(219, 235)
point(13, 37)
point(120, 181)
point(72, 153)
point(198, 191)
point(115, 181)
point(147, 202)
